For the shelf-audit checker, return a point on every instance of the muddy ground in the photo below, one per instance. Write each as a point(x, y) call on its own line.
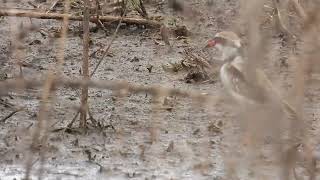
point(194, 140)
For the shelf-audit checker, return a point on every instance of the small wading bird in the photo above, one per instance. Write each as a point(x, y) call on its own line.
point(238, 83)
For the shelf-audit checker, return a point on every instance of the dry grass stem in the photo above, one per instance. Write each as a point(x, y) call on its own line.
point(12, 85)
point(40, 135)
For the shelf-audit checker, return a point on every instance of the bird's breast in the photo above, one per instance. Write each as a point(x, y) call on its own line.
point(225, 77)
point(233, 81)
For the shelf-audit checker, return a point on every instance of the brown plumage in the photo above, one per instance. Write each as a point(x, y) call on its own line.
point(255, 90)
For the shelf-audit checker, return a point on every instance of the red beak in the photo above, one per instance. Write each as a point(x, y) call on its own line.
point(211, 43)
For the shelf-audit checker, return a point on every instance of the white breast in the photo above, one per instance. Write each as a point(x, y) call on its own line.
point(238, 63)
point(225, 77)
point(228, 52)
point(228, 81)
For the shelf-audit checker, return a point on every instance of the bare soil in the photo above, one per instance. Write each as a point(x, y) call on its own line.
point(194, 139)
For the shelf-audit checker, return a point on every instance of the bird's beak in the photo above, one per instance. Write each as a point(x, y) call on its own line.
point(211, 43)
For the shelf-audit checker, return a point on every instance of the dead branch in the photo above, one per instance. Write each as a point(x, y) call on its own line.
point(59, 16)
point(18, 84)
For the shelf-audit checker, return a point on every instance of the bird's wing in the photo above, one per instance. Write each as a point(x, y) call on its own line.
point(243, 88)
point(259, 89)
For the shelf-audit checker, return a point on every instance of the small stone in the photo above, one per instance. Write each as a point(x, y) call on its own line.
point(181, 31)
point(35, 42)
point(149, 67)
point(135, 59)
point(99, 94)
point(196, 132)
point(214, 129)
point(220, 124)
point(3, 76)
point(170, 147)
point(131, 174)
point(97, 148)
point(72, 98)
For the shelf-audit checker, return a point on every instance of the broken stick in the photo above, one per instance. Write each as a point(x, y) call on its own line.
point(94, 19)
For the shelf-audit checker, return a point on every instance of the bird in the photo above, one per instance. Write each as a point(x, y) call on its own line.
point(252, 88)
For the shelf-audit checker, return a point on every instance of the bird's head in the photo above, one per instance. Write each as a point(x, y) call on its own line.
point(227, 42)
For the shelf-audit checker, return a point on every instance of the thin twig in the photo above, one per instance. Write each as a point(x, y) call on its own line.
point(53, 6)
point(73, 120)
point(114, 36)
point(10, 115)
